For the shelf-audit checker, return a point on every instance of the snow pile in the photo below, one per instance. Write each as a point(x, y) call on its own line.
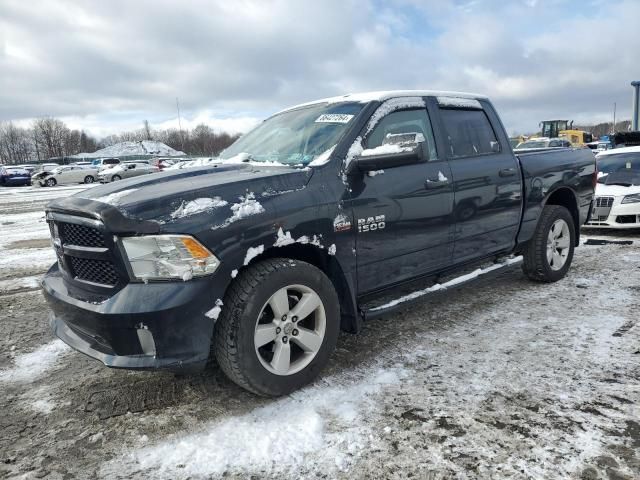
point(354, 151)
point(114, 198)
point(196, 162)
point(20, 283)
point(124, 149)
point(451, 283)
point(332, 249)
point(198, 205)
point(248, 206)
point(214, 313)
point(375, 173)
point(323, 158)
point(284, 238)
point(387, 149)
point(459, 102)
point(242, 158)
point(252, 253)
point(30, 366)
point(328, 422)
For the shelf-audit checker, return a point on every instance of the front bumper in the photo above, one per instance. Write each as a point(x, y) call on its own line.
point(614, 214)
point(142, 326)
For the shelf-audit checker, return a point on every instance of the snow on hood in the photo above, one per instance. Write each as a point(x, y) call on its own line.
point(215, 190)
point(241, 158)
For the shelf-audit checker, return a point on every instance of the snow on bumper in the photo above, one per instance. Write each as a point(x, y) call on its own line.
point(143, 326)
point(610, 212)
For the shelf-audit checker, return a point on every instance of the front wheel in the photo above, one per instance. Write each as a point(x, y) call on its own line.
point(51, 182)
point(278, 327)
point(115, 178)
point(89, 179)
point(548, 255)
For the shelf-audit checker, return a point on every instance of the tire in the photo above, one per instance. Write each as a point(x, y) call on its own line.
point(549, 254)
point(247, 307)
point(51, 182)
point(115, 178)
point(89, 179)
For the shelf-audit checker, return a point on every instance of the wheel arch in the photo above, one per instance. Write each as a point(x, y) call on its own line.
point(330, 266)
point(566, 197)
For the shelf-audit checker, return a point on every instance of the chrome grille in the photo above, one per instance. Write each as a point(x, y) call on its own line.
point(606, 202)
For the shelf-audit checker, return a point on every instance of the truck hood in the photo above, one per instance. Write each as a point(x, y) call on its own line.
point(167, 197)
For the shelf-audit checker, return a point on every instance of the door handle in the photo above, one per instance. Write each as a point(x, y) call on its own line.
point(507, 172)
point(429, 183)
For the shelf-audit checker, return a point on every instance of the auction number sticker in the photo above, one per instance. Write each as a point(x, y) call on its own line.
point(334, 118)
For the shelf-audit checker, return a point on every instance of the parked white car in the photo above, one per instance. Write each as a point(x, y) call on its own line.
point(617, 199)
point(65, 175)
point(126, 170)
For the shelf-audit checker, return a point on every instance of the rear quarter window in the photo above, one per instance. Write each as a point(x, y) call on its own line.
point(469, 132)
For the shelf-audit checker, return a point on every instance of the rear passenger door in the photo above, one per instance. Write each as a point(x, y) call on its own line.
point(487, 183)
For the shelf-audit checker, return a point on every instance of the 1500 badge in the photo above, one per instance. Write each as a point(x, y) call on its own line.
point(371, 224)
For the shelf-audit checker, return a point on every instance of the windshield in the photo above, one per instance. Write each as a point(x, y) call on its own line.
point(295, 137)
point(619, 169)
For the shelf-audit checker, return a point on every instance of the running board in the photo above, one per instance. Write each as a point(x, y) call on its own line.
point(434, 290)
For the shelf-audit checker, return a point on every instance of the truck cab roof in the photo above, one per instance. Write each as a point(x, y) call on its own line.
point(381, 96)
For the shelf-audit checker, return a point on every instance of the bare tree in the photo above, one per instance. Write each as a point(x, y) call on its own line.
point(15, 144)
point(146, 128)
point(50, 134)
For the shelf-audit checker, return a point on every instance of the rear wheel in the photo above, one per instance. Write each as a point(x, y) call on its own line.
point(278, 327)
point(89, 179)
point(115, 178)
point(549, 254)
point(51, 182)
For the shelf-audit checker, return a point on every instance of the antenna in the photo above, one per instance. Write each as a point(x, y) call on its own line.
point(180, 124)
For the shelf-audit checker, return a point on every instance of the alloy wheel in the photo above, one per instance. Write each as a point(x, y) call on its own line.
point(558, 244)
point(290, 330)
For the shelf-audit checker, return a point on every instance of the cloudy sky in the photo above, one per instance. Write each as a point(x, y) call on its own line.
point(107, 66)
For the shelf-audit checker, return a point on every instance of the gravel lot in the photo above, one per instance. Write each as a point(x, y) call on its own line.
point(498, 378)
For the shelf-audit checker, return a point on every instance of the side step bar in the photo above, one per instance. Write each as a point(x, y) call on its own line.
point(436, 289)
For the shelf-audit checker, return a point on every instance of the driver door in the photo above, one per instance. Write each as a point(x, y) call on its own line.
point(403, 215)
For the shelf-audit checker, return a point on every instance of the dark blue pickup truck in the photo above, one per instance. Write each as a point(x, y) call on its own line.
point(263, 255)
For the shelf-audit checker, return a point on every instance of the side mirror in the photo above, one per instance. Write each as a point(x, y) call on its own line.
point(390, 155)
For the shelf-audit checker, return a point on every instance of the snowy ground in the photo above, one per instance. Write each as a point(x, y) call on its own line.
point(498, 378)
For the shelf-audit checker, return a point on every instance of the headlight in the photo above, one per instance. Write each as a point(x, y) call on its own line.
point(163, 257)
point(635, 198)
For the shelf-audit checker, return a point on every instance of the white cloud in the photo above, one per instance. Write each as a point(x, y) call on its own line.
point(107, 66)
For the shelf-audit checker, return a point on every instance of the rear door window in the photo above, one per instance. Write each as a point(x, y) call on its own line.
point(469, 132)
